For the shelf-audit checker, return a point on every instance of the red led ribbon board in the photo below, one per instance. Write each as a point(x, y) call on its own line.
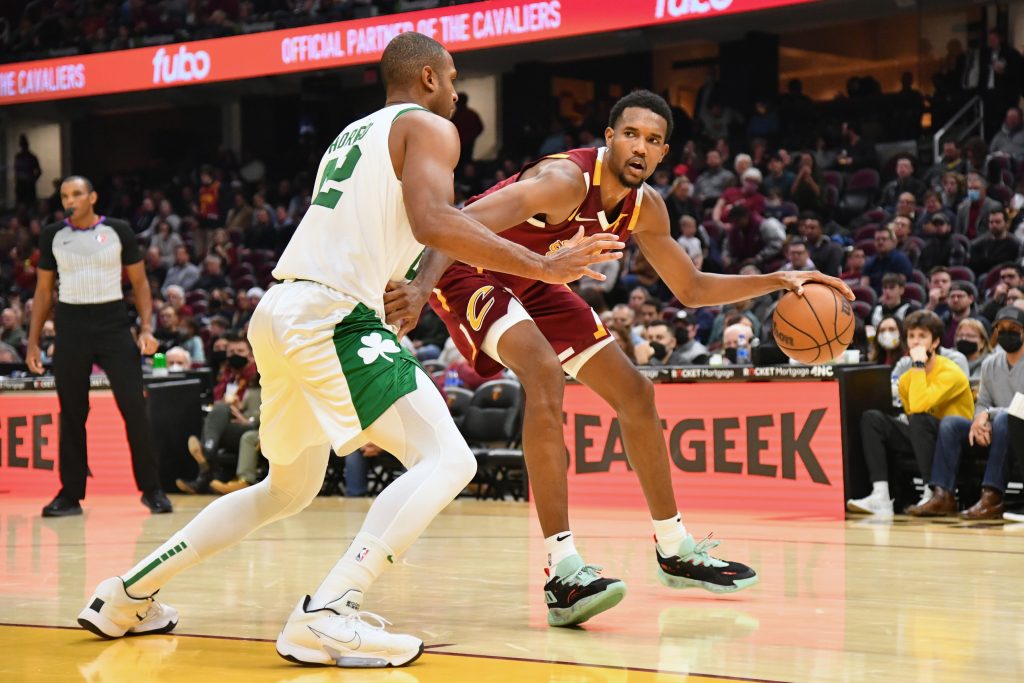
point(772, 447)
point(347, 43)
point(29, 428)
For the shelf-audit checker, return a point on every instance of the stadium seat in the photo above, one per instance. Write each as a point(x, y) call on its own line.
point(865, 294)
point(458, 400)
point(492, 427)
point(861, 309)
point(240, 269)
point(867, 245)
point(990, 280)
point(243, 282)
point(834, 179)
point(963, 273)
point(1001, 193)
point(196, 295)
point(865, 232)
point(919, 277)
point(915, 292)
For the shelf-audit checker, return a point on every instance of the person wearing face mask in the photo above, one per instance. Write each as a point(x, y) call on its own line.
point(888, 346)
point(972, 340)
point(973, 212)
point(1002, 376)
point(689, 349)
point(235, 411)
point(178, 359)
point(931, 390)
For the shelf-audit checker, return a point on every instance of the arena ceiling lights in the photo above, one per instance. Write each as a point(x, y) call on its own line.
point(361, 41)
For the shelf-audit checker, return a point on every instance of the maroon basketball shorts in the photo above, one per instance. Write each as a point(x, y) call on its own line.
point(479, 307)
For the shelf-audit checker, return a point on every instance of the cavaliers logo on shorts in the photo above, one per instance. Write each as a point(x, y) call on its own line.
point(473, 316)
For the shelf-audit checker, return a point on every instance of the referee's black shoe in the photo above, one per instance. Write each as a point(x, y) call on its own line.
point(157, 502)
point(62, 507)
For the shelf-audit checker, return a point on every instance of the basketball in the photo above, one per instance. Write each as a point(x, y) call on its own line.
point(813, 328)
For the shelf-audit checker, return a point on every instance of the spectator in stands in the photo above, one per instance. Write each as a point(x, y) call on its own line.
point(26, 173)
point(240, 214)
point(892, 302)
point(951, 162)
point(8, 354)
point(888, 345)
point(752, 239)
point(779, 177)
point(689, 240)
point(972, 340)
point(798, 257)
point(852, 272)
point(461, 373)
point(166, 331)
point(714, 180)
point(11, 330)
point(962, 296)
point(235, 411)
point(1009, 141)
point(996, 246)
point(188, 333)
point(906, 207)
point(939, 283)
point(932, 207)
point(469, 126)
point(166, 241)
point(680, 202)
point(746, 194)
point(993, 71)
point(856, 152)
point(734, 336)
point(688, 349)
point(183, 273)
point(972, 215)
point(221, 245)
point(650, 311)
point(904, 182)
point(624, 338)
point(166, 213)
point(953, 191)
point(932, 389)
point(1011, 276)
point(902, 227)
point(887, 259)
point(1002, 376)
point(176, 298)
point(178, 359)
point(662, 338)
point(939, 246)
point(213, 274)
point(741, 311)
point(807, 191)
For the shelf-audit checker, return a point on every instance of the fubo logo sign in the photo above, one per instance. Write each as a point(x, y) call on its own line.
point(182, 66)
point(679, 8)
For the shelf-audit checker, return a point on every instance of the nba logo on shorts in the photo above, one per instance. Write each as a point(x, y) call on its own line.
point(362, 554)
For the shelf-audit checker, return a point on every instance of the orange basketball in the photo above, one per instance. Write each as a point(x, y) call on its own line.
point(813, 328)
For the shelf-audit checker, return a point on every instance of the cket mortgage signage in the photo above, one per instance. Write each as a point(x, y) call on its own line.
point(361, 41)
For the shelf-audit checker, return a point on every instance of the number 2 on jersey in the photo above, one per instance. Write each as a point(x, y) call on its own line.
point(330, 198)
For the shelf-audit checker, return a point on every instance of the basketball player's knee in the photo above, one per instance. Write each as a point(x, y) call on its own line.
point(635, 396)
point(543, 381)
point(461, 464)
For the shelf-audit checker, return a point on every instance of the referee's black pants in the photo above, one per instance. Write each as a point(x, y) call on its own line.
point(99, 333)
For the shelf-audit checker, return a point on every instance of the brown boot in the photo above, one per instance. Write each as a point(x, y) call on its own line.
point(989, 507)
point(942, 504)
point(223, 487)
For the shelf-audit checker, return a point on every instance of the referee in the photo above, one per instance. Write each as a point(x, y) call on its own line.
point(87, 252)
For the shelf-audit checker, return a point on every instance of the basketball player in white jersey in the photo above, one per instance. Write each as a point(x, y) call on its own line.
point(334, 375)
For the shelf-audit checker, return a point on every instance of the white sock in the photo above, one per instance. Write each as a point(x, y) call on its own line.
point(559, 547)
point(880, 489)
point(669, 533)
point(358, 568)
point(149, 575)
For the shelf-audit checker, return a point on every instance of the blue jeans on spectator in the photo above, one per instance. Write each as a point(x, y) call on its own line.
point(356, 467)
point(953, 432)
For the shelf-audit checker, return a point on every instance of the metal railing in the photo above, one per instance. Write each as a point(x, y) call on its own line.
point(973, 105)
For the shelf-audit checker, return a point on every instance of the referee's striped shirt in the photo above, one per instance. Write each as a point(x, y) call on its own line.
point(88, 261)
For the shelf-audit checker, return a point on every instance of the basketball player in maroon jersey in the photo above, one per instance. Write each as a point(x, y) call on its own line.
point(539, 330)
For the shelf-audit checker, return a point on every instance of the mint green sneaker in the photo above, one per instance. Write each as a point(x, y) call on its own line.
point(577, 592)
point(693, 567)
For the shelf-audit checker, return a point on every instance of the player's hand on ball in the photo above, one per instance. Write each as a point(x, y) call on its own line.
point(403, 304)
point(795, 281)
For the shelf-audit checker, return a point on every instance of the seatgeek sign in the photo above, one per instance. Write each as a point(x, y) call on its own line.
point(466, 27)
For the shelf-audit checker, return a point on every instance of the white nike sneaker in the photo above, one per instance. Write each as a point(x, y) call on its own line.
point(112, 613)
point(873, 505)
point(926, 495)
point(323, 636)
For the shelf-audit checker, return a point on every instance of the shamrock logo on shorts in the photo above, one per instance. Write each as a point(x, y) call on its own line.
point(376, 346)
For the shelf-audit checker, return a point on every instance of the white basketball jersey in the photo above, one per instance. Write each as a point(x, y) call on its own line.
point(355, 237)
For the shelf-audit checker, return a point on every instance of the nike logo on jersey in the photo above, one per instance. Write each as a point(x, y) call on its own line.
point(476, 320)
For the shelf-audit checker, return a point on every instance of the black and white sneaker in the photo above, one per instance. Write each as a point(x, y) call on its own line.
point(693, 567)
point(576, 592)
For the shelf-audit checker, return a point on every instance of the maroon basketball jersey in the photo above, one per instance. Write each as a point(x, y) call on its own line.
point(544, 238)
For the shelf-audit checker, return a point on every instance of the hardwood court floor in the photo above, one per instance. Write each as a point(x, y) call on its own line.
point(856, 601)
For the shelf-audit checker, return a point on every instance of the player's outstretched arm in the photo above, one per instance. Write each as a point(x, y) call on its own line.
point(424, 151)
point(694, 288)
